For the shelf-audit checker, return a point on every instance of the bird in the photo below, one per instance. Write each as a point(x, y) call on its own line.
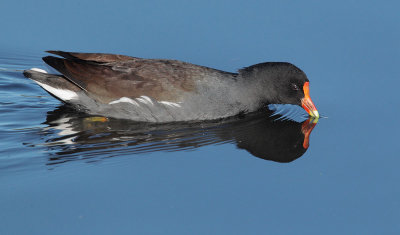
point(164, 90)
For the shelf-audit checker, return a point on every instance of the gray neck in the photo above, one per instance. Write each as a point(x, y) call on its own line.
point(256, 89)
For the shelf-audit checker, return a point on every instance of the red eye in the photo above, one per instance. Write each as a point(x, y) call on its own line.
point(295, 87)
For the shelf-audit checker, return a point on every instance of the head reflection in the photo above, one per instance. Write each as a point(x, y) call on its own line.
point(79, 136)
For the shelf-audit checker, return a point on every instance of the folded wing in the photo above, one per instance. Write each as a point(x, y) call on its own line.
point(107, 77)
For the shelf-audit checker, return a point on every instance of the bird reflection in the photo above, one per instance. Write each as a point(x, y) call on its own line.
point(79, 136)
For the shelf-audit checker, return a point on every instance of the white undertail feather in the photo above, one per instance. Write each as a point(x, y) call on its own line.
point(39, 70)
point(60, 93)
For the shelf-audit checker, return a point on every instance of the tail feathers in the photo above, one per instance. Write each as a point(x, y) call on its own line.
point(59, 64)
point(57, 85)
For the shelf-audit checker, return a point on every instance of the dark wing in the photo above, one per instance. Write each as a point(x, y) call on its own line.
point(107, 77)
point(96, 57)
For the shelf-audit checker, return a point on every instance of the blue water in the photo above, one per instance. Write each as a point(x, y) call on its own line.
point(62, 172)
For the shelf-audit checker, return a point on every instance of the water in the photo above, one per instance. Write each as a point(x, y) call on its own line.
point(63, 172)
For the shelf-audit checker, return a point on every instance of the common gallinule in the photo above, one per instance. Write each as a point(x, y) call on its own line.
point(160, 90)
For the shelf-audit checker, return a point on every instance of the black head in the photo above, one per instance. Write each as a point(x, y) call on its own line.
point(283, 83)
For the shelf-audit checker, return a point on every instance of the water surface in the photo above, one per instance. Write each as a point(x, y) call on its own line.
point(63, 172)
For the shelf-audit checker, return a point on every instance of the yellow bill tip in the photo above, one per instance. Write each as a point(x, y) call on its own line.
point(314, 113)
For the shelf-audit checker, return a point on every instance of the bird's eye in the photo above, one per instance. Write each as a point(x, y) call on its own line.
point(295, 87)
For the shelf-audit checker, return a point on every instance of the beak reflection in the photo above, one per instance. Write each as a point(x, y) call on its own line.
point(307, 128)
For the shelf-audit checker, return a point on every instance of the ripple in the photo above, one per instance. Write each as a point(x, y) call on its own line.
point(68, 133)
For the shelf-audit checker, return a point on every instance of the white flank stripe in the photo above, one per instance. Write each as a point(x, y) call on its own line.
point(170, 104)
point(142, 100)
point(124, 100)
point(145, 100)
point(60, 93)
point(148, 99)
